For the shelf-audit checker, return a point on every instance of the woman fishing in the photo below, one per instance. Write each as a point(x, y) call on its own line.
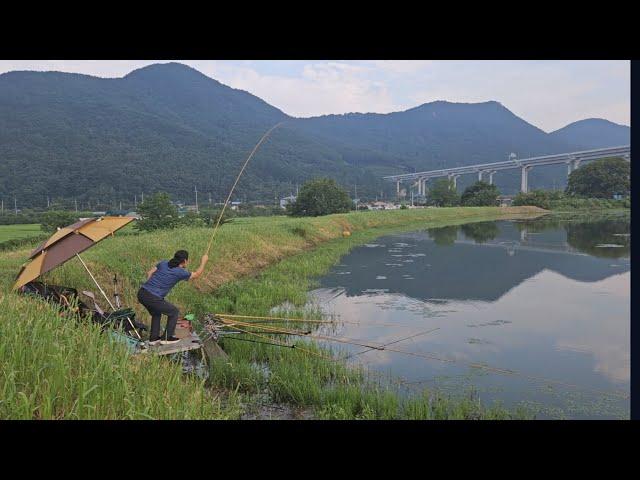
point(160, 280)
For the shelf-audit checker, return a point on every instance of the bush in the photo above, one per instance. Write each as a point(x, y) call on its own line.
point(322, 196)
point(538, 198)
point(600, 179)
point(52, 220)
point(480, 194)
point(443, 194)
point(157, 212)
point(553, 200)
point(210, 216)
point(192, 219)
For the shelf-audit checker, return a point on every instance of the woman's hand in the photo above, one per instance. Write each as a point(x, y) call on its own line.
point(198, 272)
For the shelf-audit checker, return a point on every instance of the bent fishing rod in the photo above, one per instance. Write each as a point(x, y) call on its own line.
point(224, 207)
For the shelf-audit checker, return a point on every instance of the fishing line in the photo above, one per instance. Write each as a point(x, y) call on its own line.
point(394, 342)
point(430, 356)
point(255, 341)
point(224, 207)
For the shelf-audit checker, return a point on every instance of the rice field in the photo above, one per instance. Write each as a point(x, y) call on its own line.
point(15, 232)
point(54, 367)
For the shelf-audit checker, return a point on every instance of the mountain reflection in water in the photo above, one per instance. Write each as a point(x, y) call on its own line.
point(548, 297)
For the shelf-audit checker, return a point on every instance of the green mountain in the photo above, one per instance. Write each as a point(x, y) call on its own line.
point(168, 127)
point(594, 133)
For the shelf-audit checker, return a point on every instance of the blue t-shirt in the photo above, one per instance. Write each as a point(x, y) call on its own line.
point(165, 278)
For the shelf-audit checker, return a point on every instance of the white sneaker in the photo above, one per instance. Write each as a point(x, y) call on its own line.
point(169, 340)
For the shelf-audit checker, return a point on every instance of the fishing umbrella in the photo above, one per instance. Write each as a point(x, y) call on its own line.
point(66, 243)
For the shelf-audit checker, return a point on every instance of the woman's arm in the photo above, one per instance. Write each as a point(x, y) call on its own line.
point(151, 272)
point(200, 269)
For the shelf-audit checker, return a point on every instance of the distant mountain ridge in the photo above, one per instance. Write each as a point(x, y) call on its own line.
point(594, 133)
point(169, 127)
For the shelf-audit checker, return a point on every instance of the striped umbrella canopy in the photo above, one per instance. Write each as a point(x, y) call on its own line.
point(66, 243)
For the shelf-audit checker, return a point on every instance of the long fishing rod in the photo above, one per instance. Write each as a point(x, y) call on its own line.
point(257, 341)
point(305, 320)
point(224, 207)
point(282, 344)
point(348, 341)
point(430, 356)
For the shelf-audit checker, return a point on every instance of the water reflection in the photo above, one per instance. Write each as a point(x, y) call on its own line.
point(549, 297)
point(480, 232)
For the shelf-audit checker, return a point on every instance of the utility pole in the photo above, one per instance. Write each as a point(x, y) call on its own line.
point(142, 197)
point(209, 198)
point(15, 205)
point(196, 189)
point(135, 201)
point(356, 194)
point(76, 202)
point(120, 204)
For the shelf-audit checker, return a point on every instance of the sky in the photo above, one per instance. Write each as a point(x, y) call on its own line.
point(547, 93)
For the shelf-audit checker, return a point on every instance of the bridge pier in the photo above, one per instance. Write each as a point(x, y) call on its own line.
point(573, 160)
point(524, 180)
point(572, 165)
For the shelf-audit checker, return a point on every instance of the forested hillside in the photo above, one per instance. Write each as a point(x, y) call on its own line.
point(169, 127)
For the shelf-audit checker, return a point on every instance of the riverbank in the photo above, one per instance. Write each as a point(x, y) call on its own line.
point(256, 263)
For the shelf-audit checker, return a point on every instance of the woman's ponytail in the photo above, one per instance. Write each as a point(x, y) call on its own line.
point(178, 257)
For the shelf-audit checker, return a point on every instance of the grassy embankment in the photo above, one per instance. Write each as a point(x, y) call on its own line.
point(53, 368)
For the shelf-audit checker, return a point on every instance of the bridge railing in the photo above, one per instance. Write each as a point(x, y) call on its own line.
point(572, 159)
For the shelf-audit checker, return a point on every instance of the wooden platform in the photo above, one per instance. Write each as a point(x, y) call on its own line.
point(187, 343)
point(192, 342)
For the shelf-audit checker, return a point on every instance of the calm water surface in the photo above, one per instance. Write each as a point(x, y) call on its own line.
point(546, 298)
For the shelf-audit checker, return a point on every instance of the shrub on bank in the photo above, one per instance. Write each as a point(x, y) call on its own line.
point(480, 194)
point(322, 196)
point(555, 200)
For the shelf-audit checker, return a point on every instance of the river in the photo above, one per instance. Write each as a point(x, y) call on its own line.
point(543, 306)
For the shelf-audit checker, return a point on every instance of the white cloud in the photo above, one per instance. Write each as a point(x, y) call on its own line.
point(318, 89)
point(402, 66)
point(547, 94)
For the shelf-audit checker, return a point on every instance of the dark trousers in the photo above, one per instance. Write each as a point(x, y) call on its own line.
point(157, 307)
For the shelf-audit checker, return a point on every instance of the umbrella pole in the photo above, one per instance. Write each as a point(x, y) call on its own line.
point(96, 282)
point(104, 294)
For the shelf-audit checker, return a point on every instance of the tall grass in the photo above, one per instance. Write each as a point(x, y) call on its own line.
point(53, 367)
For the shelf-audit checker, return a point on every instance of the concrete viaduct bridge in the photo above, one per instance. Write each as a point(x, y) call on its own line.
point(572, 160)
